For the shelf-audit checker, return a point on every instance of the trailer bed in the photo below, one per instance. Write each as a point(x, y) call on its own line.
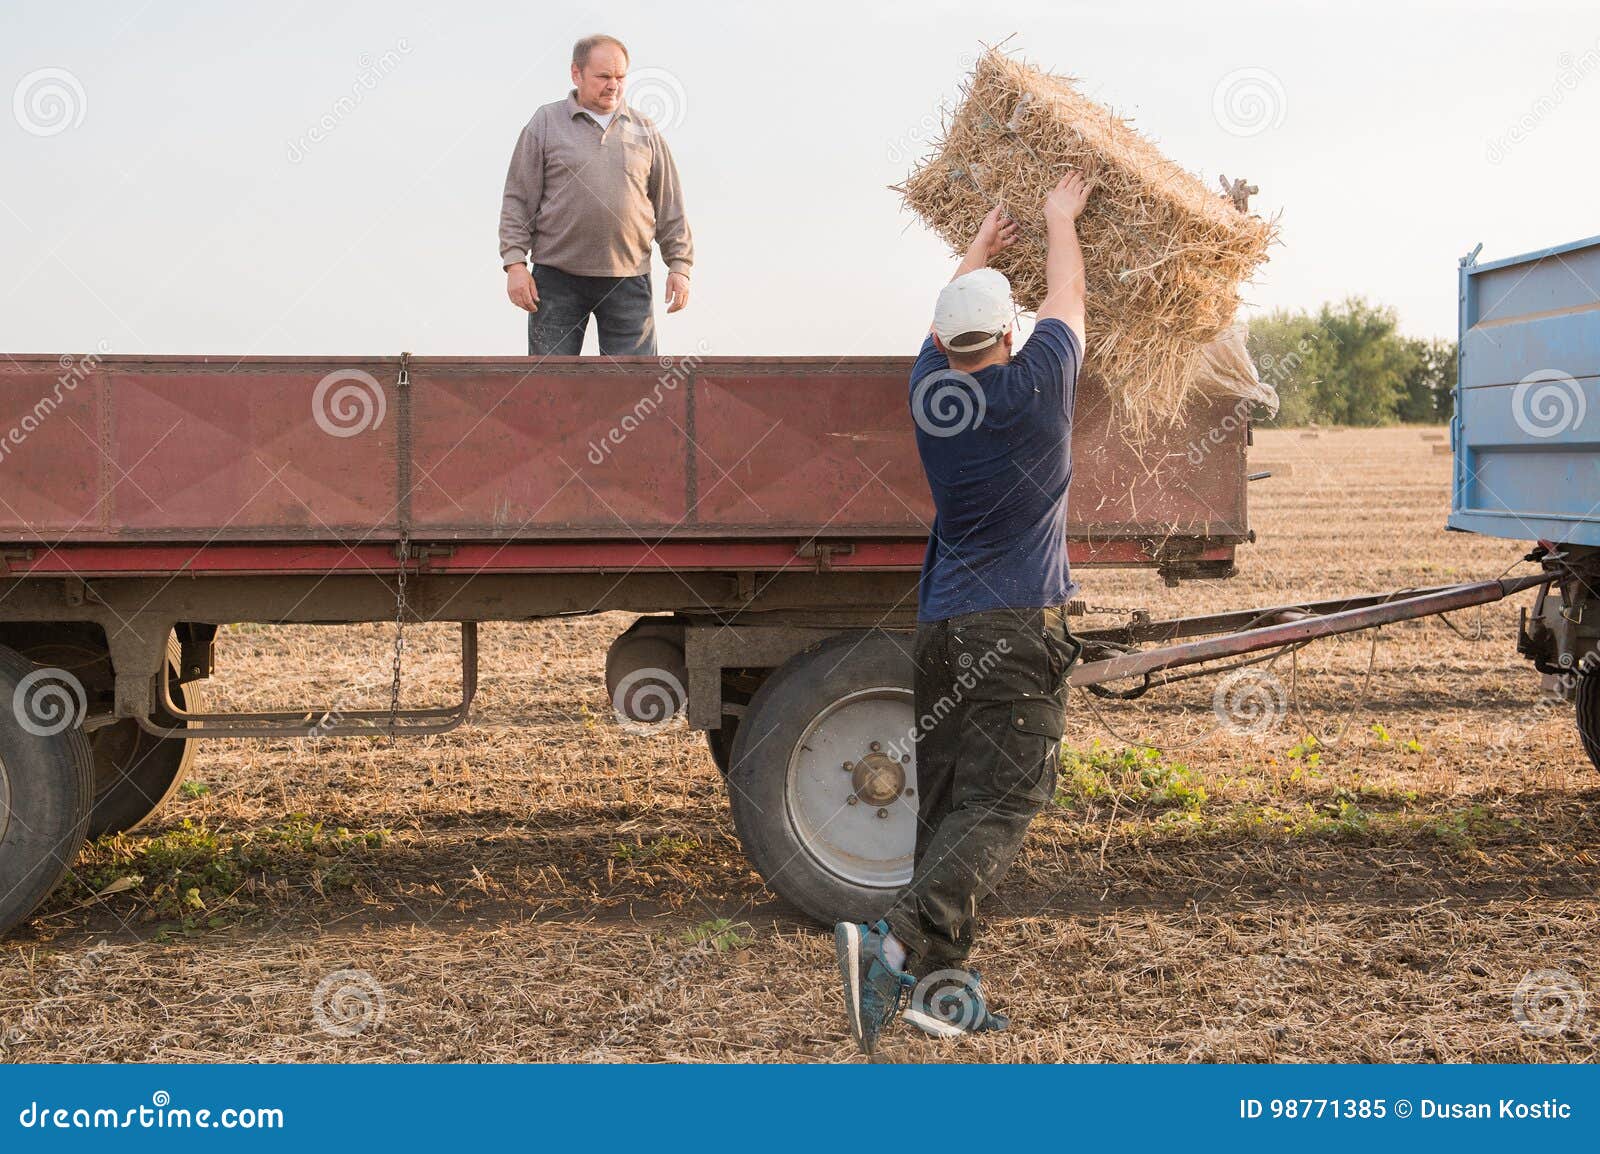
point(160, 464)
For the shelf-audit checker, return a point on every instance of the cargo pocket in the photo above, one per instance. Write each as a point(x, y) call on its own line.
point(1033, 747)
point(1064, 653)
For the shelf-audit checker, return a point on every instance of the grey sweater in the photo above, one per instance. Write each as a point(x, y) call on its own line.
point(589, 201)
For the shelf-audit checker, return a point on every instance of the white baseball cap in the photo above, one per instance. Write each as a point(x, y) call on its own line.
point(979, 302)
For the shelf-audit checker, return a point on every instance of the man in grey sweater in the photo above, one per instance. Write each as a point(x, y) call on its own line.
point(590, 185)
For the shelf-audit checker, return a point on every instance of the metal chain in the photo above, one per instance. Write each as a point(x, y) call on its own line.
point(394, 684)
point(403, 552)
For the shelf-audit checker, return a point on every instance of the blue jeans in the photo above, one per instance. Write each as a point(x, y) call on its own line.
point(621, 308)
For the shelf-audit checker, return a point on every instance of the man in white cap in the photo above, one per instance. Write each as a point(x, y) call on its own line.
point(992, 648)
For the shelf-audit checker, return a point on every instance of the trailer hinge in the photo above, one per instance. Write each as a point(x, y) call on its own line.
point(10, 555)
point(423, 554)
point(823, 554)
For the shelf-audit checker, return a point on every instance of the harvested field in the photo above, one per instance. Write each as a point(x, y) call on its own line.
point(543, 885)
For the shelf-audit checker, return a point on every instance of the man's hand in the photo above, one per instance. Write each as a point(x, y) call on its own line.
point(1064, 277)
point(521, 289)
point(677, 291)
point(1066, 200)
point(997, 233)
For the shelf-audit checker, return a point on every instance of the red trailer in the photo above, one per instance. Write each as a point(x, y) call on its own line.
point(766, 516)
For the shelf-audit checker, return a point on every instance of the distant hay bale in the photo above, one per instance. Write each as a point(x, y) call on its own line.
point(1164, 254)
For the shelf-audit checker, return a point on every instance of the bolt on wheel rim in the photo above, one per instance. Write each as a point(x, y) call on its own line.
point(839, 783)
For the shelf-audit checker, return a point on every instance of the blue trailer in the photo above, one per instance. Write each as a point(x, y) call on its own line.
point(1526, 441)
point(1526, 448)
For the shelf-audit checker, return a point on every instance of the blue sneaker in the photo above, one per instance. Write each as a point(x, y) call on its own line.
point(873, 990)
point(950, 1003)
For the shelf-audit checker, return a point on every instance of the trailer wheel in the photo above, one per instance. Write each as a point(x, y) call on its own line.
point(720, 742)
point(46, 789)
point(823, 783)
point(136, 773)
point(1588, 696)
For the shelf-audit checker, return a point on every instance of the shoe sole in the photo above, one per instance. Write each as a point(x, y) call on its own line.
point(847, 949)
point(933, 1027)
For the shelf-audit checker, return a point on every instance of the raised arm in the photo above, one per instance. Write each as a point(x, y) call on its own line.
point(998, 231)
point(1063, 266)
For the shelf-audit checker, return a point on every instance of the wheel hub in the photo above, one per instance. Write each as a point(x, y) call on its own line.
point(878, 779)
point(859, 824)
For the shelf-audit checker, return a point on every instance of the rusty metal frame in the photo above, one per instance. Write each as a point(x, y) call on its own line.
point(1289, 625)
point(315, 723)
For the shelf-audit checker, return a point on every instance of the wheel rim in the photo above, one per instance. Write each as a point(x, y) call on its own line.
point(851, 839)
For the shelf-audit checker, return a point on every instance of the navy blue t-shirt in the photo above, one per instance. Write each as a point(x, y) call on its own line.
point(997, 448)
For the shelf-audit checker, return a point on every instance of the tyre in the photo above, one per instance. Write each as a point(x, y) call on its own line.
point(823, 781)
point(1589, 716)
point(135, 772)
point(720, 742)
point(46, 786)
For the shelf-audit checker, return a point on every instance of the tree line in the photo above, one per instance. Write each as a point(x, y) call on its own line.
point(1348, 364)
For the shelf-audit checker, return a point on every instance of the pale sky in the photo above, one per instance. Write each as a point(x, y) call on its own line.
point(165, 186)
